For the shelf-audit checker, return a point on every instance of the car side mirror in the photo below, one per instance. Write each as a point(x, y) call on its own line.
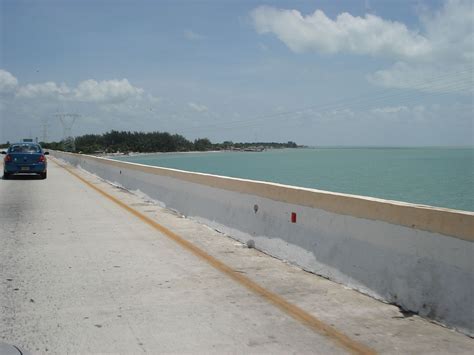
point(4, 152)
point(46, 153)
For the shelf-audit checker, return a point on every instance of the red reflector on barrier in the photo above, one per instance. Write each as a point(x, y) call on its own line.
point(293, 217)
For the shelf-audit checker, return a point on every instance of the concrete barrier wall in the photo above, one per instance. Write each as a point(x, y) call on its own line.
point(418, 257)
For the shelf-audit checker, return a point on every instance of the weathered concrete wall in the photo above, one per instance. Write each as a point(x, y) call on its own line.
point(418, 257)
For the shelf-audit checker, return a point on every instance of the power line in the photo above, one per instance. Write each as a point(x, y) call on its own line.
point(280, 118)
point(358, 101)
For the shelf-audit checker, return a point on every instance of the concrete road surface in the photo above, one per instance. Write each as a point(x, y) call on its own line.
point(80, 273)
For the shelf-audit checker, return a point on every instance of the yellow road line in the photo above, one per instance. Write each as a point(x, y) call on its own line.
point(285, 306)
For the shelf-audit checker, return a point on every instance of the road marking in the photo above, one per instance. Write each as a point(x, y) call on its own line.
point(290, 309)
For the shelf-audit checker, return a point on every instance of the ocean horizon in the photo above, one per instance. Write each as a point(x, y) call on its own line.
point(434, 176)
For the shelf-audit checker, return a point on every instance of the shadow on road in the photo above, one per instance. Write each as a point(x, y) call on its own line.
point(23, 177)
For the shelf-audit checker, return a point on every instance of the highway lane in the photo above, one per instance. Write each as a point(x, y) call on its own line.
point(81, 274)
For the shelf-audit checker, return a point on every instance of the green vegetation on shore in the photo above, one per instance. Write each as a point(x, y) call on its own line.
point(141, 142)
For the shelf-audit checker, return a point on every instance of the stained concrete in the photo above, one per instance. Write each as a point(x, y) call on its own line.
point(408, 262)
point(80, 274)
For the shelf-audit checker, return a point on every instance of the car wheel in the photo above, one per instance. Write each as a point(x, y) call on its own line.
point(6, 175)
point(43, 175)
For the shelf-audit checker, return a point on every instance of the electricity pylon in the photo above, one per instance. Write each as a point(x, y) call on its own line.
point(67, 121)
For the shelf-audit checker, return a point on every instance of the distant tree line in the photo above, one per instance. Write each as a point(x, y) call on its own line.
point(141, 142)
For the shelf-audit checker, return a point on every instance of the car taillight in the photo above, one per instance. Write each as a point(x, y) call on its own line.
point(41, 159)
point(8, 158)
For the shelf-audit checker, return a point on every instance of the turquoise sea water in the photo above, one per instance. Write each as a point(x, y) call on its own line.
point(442, 177)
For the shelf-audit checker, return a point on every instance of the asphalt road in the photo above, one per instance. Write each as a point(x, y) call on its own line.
point(79, 273)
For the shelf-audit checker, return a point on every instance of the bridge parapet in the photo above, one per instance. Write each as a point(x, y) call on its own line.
point(418, 257)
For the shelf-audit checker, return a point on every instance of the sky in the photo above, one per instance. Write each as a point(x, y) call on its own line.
point(320, 72)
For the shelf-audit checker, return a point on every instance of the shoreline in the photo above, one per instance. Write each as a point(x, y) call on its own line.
point(133, 154)
point(136, 154)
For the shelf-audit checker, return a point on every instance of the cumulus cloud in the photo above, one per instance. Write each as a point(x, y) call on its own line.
point(48, 89)
point(106, 91)
point(438, 57)
point(102, 104)
point(198, 107)
point(450, 67)
point(450, 31)
point(361, 35)
point(8, 83)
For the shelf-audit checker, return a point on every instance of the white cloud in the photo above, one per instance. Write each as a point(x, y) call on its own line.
point(450, 67)
point(406, 114)
point(8, 83)
point(193, 36)
point(106, 91)
point(438, 58)
point(48, 89)
point(450, 30)
point(198, 107)
point(436, 77)
point(105, 104)
point(370, 35)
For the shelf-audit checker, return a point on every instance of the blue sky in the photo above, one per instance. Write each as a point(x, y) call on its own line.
point(354, 72)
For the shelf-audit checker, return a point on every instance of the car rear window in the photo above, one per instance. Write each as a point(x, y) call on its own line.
point(25, 148)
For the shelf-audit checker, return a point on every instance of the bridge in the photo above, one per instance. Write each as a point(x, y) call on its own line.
point(91, 267)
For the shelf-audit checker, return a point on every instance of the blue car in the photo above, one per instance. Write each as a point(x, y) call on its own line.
point(25, 158)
